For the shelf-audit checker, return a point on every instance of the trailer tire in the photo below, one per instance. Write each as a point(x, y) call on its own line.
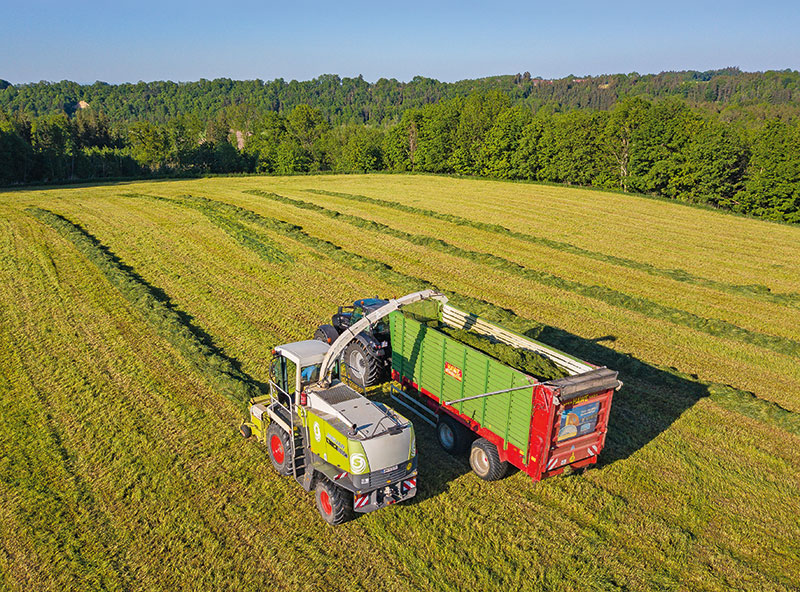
point(453, 437)
point(280, 449)
point(363, 368)
point(326, 333)
point(485, 461)
point(334, 504)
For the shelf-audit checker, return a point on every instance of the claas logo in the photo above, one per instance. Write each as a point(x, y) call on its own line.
point(453, 371)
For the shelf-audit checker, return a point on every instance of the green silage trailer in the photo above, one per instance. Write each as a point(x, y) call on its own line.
point(539, 426)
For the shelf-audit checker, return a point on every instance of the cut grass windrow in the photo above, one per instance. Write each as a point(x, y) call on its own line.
point(728, 397)
point(715, 327)
point(196, 347)
point(260, 246)
point(756, 291)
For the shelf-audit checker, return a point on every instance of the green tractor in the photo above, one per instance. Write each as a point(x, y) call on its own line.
point(356, 454)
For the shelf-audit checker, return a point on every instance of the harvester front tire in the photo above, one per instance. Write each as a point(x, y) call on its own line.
point(334, 504)
point(326, 333)
point(280, 449)
point(363, 368)
point(245, 430)
point(485, 461)
point(453, 437)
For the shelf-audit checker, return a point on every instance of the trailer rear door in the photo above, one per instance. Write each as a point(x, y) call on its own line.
point(580, 421)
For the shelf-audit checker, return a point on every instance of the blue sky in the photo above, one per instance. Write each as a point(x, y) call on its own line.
point(126, 42)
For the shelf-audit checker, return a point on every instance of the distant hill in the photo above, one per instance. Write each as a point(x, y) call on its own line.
point(354, 100)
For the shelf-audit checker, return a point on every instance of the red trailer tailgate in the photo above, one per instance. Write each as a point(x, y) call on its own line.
point(581, 408)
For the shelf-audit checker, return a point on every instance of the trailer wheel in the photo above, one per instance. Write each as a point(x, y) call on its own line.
point(280, 449)
point(485, 461)
point(363, 368)
point(326, 333)
point(334, 504)
point(452, 436)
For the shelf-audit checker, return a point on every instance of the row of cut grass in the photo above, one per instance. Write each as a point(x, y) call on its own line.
point(750, 313)
point(704, 243)
point(716, 327)
point(755, 291)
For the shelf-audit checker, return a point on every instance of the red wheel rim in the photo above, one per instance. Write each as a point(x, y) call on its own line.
point(325, 502)
point(276, 446)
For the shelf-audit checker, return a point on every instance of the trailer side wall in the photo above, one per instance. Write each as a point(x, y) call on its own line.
point(448, 370)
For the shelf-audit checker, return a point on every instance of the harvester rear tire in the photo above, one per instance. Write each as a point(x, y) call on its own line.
point(485, 461)
point(334, 504)
point(453, 437)
point(280, 449)
point(326, 333)
point(362, 368)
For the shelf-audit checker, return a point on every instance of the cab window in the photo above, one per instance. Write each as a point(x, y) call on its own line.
point(291, 376)
point(310, 374)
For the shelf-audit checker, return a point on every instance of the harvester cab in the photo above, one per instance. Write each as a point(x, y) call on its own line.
point(357, 454)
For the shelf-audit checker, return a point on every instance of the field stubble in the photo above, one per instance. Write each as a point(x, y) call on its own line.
point(128, 473)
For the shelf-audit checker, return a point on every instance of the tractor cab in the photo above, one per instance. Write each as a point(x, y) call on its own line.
point(347, 315)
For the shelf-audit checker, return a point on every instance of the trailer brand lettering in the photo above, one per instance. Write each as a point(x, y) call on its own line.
point(453, 371)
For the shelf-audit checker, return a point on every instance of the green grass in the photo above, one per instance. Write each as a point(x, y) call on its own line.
point(613, 297)
point(752, 290)
point(135, 318)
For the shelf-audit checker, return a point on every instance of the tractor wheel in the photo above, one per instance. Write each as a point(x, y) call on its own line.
point(334, 504)
point(363, 369)
point(280, 449)
point(326, 333)
point(485, 461)
point(453, 437)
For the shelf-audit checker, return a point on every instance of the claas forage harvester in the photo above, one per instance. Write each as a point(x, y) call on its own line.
point(356, 454)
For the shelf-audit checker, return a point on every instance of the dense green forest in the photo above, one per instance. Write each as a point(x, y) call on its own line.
point(726, 138)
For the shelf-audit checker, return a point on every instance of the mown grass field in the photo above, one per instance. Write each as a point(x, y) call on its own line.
point(133, 316)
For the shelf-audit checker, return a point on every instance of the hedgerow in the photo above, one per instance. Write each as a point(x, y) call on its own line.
point(679, 275)
point(173, 325)
point(715, 327)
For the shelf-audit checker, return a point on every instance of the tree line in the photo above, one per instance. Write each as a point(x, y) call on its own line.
point(661, 147)
point(354, 100)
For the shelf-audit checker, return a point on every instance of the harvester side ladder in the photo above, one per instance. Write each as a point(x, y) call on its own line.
point(300, 469)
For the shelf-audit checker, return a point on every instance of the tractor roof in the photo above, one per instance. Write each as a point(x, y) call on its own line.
point(304, 353)
point(370, 302)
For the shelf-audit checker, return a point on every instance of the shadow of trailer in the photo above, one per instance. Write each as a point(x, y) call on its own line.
point(541, 427)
